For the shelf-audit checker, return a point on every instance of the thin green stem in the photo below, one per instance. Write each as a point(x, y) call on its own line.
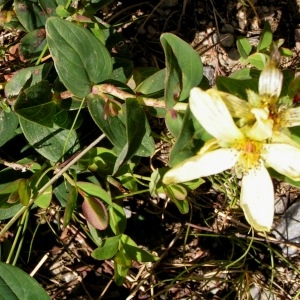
point(41, 55)
point(131, 194)
point(24, 227)
point(12, 249)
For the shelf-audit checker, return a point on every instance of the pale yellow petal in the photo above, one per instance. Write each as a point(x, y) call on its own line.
point(212, 113)
point(290, 117)
point(283, 137)
point(283, 158)
point(257, 198)
point(263, 127)
point(270, 81)
point(198, 166)
point(237, 107)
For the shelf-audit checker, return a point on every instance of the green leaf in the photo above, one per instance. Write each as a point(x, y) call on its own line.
point(35, 104)
point(8, 124)
point(108, 249)
point(94, 190)
point(135, 131)
point(48, 7)
point(25, 78)
point(29, 14)
point(184, 68)
point(49, 142)
point(191, 138)
point(32, 44)
point(178, 195)
point(266, 37)
point(121, 268)
point(36, 183)
point(95, 212)
point(117, 218)
point(174, 121)
point(80, 59)
point(258, 60)
point(152, 85)
point(24, 192)
point(116, 128)
point(131, 250)
point(16, 284)
point(244, 47)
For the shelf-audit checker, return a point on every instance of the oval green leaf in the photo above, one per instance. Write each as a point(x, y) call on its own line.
point(80, 59)
point(184, 68)
point(95, 212)
point(108, 249)
point(15, 284)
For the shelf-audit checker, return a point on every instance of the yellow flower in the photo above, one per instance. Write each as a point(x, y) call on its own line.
point(244, 149)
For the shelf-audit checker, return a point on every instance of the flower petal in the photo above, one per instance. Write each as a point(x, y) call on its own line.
point(257, 198)
point(290, 117)
point(212, 113)
point(263, 127)
point(270, 81)
point(283, 158)
point(207, 164)
point(237, 107)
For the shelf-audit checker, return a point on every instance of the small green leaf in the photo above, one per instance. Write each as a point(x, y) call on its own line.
point(80, 59)
point(174, 121)
point(285, 52)
point(24, 192)
point(94, 190)
point(117, 218)
point(95, 212)
point(266, 37)
point(36, 183)
point(175, 191)
point(184, 68)
point(244, 47)
point(33, 43)
point(35, 104)
point(108, 249)
point(152, 85)
point(133, 252)
point(121, 268)
point(258, 60)
point(15, 284)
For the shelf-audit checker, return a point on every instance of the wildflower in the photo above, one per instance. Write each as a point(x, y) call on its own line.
point(266, 102)
point(245, 149)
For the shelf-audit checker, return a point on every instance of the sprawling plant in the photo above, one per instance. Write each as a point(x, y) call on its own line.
point(87, 129)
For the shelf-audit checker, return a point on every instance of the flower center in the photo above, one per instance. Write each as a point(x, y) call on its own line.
point(250, 155)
